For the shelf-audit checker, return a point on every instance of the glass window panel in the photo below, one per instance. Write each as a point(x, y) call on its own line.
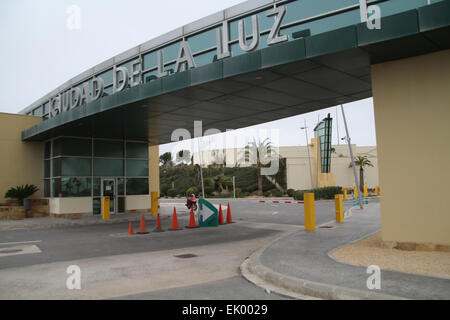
point(57, 167)
point(46, 168)
point(137, 168)
point(47, 188)
point(121, 204)
point(303, 9)
point(108, 91)
point(137, 186)
point(171, 67)
point(171, 52)
point(72, 147)
point(202, 41)
point(205, 58)
point(71, 167)
point(121, 186)
point(111, 149)
point(96, 187)
point(149, 76)
point(150, 60)
point(96, 206)
point(108, 167)
point(326, 24)
point(389, 8)
point(47, 108)
point(47, 149)
point(107, 77)
point(137, 150)
point(72, 187)
point(37, 111)
point(265, 23)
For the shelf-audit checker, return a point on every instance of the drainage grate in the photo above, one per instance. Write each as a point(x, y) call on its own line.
point(186, 256)
point(10, 250)
point(326, 227)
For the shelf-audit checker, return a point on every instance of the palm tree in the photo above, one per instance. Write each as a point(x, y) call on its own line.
point(259, 154)
point(361, 161)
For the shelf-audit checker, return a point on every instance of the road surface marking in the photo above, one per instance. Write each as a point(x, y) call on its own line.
point(20, 249)
point(20, 242)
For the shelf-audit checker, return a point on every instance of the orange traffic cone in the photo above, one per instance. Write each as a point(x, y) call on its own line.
point(192, 220)
point(221, 215)
point(130, 229)
point(174, 221)
point(142, 229)
point(229, 220)
point(158, 225)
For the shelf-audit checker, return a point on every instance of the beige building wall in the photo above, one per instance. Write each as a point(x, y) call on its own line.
point(153, 168)
point(20, 162)
point(71, 205)
point(139, 202)
point(412, 114)
point(298, 172)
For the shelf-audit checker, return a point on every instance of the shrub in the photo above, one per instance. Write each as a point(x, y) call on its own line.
point(172, 192)
point(209, 190)
point(21, 192)
point(277, 193)
point(191, 190)
point(319, 193)
point(267, 193)
point(290, 192)
point(238, 192)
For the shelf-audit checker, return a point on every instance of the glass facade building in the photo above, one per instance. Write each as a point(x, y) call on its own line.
point(323, 132)
point(90, 167)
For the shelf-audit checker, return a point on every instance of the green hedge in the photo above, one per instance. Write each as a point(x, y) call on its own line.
point(319, 193)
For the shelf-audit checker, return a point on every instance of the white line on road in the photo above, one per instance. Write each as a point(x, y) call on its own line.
point(20, 242)
point(274, 213)
point(21, 249)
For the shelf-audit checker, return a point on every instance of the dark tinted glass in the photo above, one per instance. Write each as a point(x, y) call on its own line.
point(137, 150)
point(137, 186)
point(110, 149)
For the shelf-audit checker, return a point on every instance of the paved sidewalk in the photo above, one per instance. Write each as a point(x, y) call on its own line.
point(299, 263)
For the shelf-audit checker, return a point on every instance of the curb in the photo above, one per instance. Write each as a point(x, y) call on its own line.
point(254, 271)
point(78, 224)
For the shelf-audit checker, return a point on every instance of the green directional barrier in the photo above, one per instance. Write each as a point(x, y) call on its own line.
point(209, 216)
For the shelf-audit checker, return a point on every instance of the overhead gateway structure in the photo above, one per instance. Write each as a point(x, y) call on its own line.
point(252, 63)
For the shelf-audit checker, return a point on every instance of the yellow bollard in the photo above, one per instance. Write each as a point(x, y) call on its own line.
point(366, 191)
point(355, 192)
point(310, 217)
point(154, 203)
point(345, 194)
point(339, 207)
point(377, 191)
point(105, 208)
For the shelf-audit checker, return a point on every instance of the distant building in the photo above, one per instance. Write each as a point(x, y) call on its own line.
point(298, 171)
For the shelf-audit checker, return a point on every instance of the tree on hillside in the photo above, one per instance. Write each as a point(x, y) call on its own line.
point(361, 161)
point(183, 156)
point(259, 154)
point(166, 159)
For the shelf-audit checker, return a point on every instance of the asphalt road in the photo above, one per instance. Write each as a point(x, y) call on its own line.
point(109, 240)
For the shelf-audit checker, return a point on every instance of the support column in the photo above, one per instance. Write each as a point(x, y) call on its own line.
point(153, 171)
point(412, 117)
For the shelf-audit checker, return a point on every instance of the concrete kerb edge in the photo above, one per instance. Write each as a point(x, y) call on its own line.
point(254, 271)
point(77, 224)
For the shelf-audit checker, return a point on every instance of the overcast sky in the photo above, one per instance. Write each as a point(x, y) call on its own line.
point(39, 53)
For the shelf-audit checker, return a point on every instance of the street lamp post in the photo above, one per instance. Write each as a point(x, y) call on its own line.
point(309, 157)
point(347, 138)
